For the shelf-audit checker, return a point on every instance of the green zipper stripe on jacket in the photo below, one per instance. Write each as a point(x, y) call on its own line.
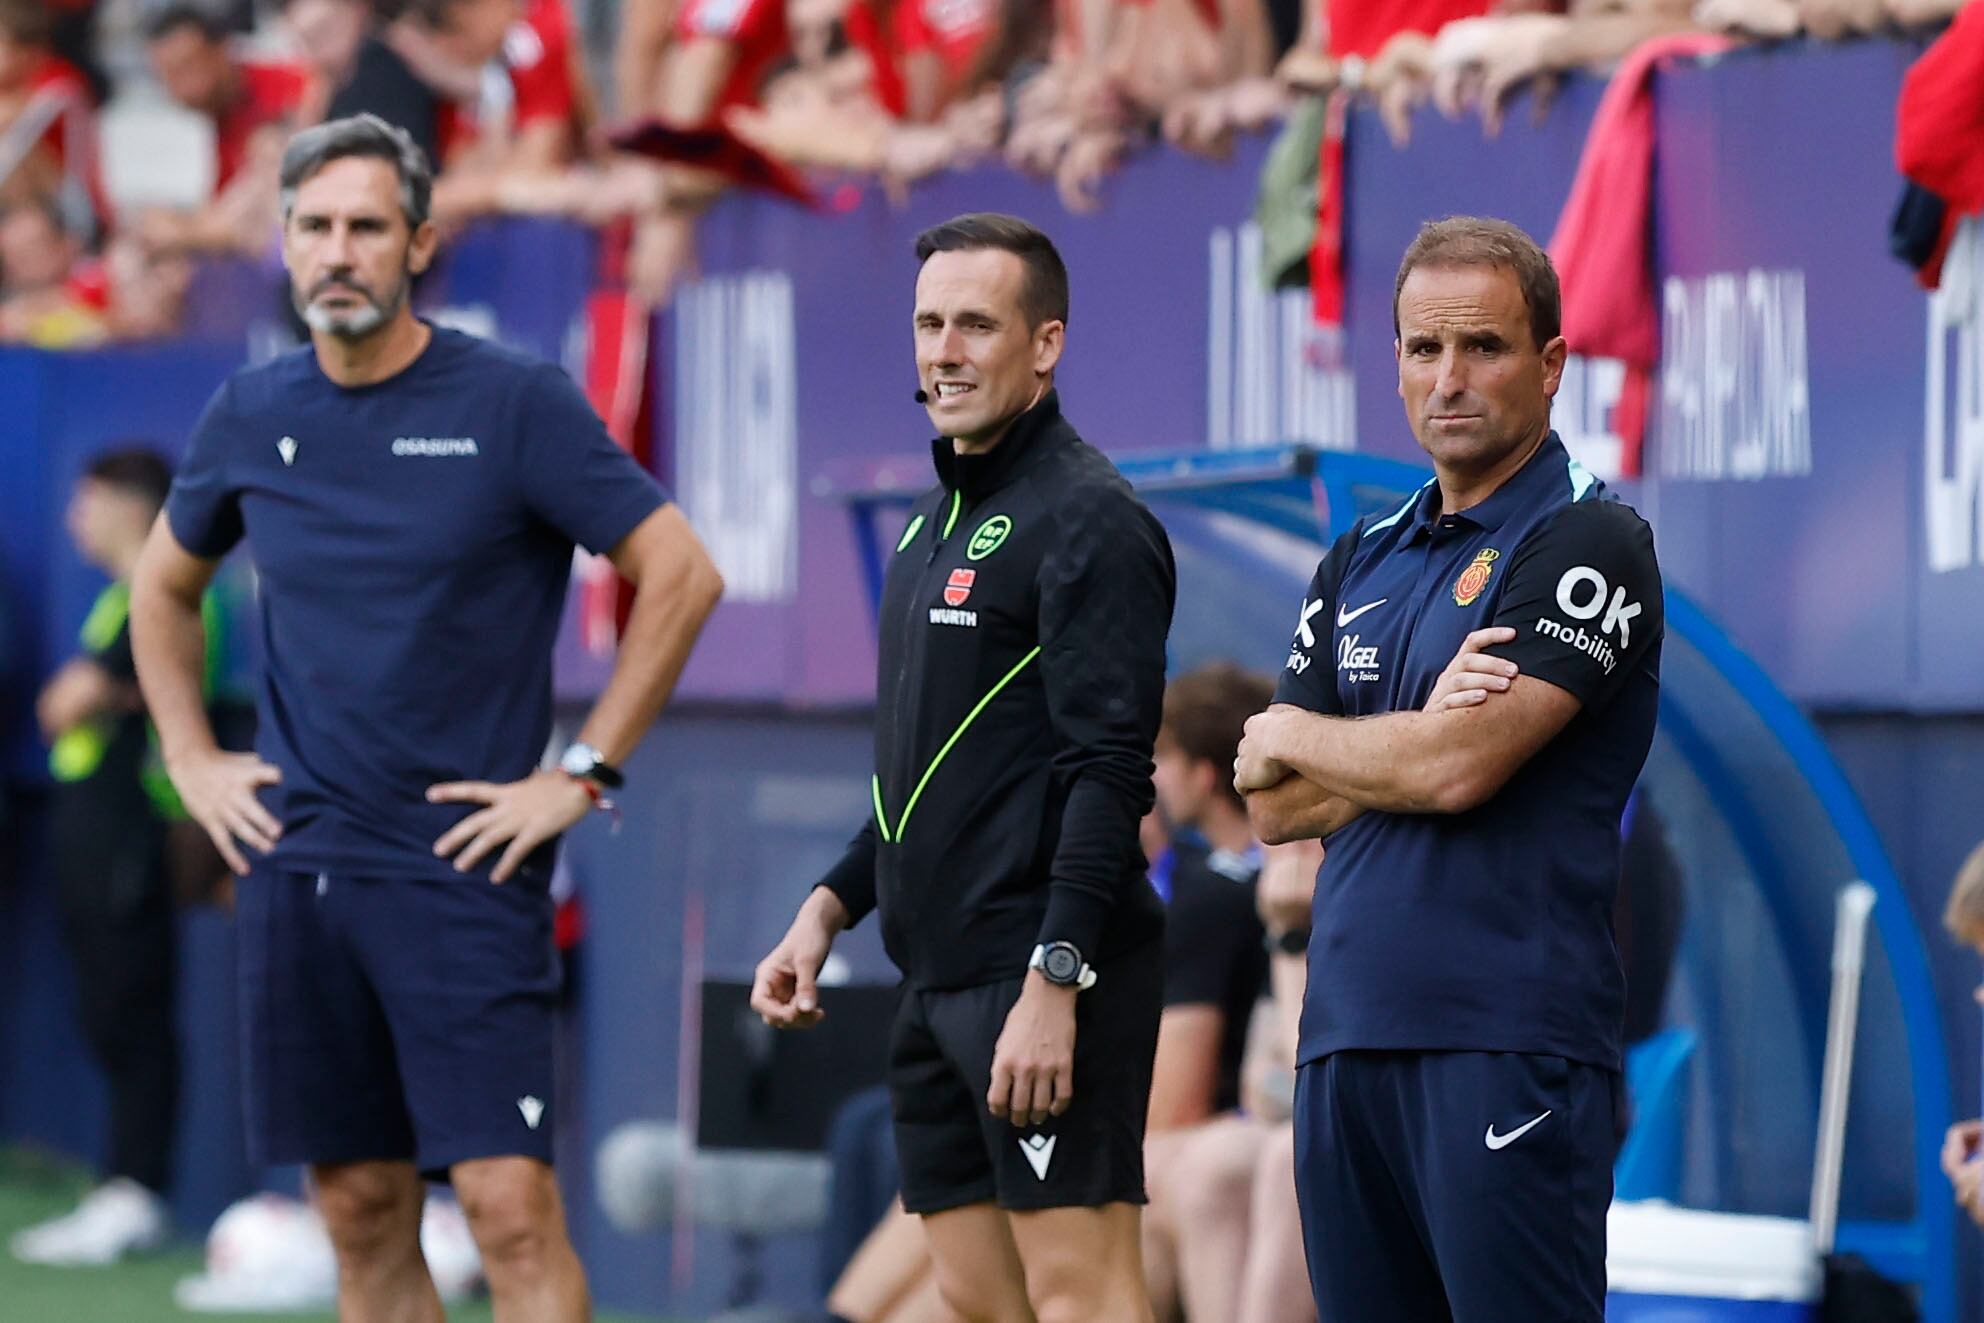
point(881, 818)
point(956, 735)
point(909, 534)
point(957, 503)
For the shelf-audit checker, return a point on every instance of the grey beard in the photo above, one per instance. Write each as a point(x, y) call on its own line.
point(344, 325)
point(351, 325)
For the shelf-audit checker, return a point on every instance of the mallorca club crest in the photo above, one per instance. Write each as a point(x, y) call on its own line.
point(1475, 577)
point(959, 587)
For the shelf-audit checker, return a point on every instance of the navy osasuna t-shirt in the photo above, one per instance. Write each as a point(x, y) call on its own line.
point(1489, 930)
point(413, 541)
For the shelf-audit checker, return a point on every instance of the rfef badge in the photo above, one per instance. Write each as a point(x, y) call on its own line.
point(1475, 577)
point(988, 537)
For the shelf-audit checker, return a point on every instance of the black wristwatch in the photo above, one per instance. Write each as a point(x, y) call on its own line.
point(1061, 964)
point(1289, 941)
point(589, 764)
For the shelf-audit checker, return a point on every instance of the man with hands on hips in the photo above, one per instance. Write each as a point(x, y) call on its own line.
point(411, 497)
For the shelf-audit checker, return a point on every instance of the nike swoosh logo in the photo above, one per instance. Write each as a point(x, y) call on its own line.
point(1344, 617)
point(1496, 1143)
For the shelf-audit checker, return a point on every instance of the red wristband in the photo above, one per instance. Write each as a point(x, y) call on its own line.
point(600, 802)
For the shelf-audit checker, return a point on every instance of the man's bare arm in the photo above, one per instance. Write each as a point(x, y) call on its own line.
point(169, 641)
point(676, 586)
point(169, 649)
point(1445, 761)
point(1185, 1072)
point(1297, 809)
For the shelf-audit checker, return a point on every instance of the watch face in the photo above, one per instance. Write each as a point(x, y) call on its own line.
point(582, 760)
point(1062, 964)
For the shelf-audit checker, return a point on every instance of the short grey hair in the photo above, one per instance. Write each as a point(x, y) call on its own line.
point(360, 135)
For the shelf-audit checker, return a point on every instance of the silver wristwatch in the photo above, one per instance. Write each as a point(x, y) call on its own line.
point(589, 764)
point(1061, 963)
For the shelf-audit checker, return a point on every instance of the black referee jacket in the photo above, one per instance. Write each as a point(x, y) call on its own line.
point(1020, 683)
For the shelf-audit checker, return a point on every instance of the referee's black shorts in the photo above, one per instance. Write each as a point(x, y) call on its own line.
point(954, 1152)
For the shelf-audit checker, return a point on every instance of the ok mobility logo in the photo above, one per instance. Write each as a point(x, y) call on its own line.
point(1581, 595)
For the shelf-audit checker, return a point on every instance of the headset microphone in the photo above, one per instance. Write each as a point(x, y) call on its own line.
point(923, 397)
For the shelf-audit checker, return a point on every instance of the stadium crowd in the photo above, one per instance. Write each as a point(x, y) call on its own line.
point(702, 95)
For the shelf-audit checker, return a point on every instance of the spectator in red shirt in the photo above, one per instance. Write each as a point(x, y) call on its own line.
point(924, 54)
point(47, 130)
point(253, 107)
point(508, 142)
point(530, 103)
point(950, 32)
point(242, 99)
point(547, 67)
point(723, 50)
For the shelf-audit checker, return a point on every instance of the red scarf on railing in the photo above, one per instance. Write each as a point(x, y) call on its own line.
point(1602, 248)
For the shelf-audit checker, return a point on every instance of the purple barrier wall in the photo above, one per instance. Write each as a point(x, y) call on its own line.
point(1811, 550)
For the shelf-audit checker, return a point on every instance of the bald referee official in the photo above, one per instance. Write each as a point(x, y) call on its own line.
point(1020, 684)
point(411, 497)
point(1469, 699)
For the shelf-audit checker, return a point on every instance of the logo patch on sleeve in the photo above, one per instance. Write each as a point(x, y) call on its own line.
point(959, 587)
point(1474, 578)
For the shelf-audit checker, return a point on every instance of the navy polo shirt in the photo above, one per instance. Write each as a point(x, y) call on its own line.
point(1489, 930)
point(413, 541)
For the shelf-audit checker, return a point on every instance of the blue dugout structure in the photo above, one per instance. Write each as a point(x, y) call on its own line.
point(1762, 821)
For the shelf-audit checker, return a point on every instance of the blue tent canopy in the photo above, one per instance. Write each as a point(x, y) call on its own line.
point(1760, 819)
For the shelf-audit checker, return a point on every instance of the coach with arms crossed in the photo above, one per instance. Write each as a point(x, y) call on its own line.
point(1021, 680)
point(1469, 700)
point(411, 497)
